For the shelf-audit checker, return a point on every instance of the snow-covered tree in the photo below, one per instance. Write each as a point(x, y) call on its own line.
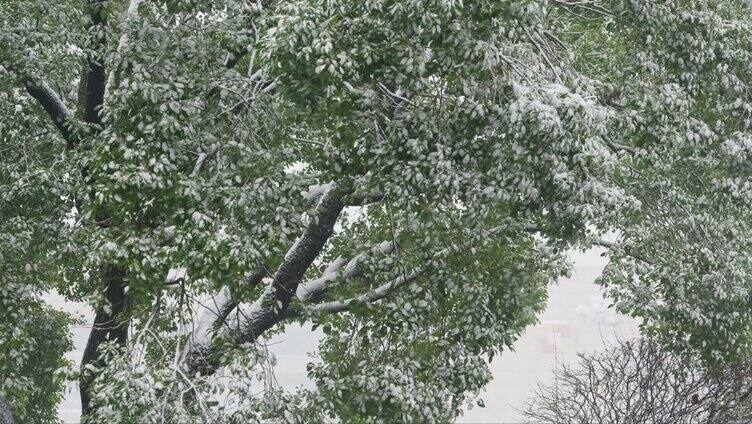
point(684, 125)
point(406, 176)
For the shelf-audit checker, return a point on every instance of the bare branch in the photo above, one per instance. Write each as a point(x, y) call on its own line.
point(639, 381)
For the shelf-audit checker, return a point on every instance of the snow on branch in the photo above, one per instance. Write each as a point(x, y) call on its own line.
point(49, 99)
point(384, 290)
point(251, 321)
point(214, 315)
point(203, 328)
point(377, 294)
point(309, 291)
point(315, 191)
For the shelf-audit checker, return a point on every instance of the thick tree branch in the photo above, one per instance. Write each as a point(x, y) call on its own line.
point(216, 311)
point(296, 263)
point(50, 100)
point(53, 104)
point(251, 321)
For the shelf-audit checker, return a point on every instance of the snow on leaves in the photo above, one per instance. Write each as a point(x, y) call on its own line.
point(453, 128)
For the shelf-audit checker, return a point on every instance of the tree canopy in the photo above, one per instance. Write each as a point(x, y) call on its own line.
point(407, 176)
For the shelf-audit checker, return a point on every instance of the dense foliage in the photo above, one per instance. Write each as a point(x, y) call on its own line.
point(405, 175)
point(685, 113)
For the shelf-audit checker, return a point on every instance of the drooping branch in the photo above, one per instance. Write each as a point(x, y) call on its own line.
point(384, 290)
point(610, 245)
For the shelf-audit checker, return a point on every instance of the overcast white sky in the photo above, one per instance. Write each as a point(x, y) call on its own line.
point(577, 319)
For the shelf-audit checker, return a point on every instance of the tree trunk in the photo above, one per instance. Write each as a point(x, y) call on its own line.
point(111, 326)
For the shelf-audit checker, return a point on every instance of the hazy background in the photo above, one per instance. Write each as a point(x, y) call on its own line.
point(576, 320)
